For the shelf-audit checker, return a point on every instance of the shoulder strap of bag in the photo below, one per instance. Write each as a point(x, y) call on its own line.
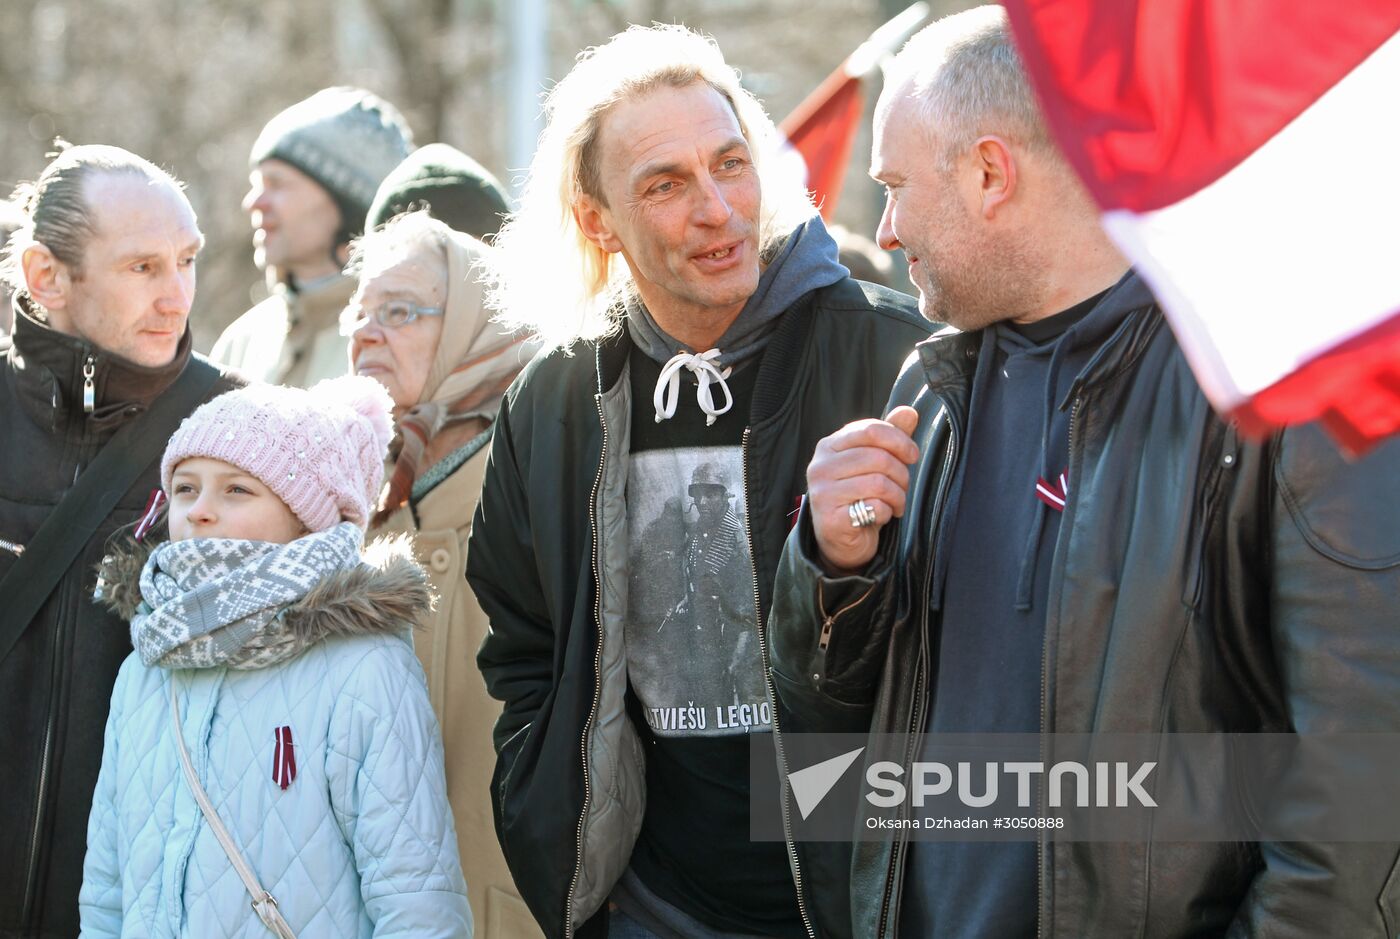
point(86, 506)
point(264, 904)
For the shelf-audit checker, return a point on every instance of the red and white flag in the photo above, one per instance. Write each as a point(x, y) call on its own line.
point(1243, 152)
point(823, 127)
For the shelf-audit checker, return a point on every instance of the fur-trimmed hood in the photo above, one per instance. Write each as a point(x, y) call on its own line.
point(388, 593)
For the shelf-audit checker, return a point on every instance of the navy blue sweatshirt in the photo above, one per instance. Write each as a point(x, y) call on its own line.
point(989, 632)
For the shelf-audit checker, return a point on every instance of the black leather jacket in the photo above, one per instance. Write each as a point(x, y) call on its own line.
point(56, 682)
point(547, 559)
point(1201, 584)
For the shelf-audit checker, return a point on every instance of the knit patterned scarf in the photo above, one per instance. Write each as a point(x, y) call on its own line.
point(216, 602)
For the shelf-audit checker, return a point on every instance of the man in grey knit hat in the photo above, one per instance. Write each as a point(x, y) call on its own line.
point(316, 167)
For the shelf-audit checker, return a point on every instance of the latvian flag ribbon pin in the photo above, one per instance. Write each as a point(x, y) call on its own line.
point(284, 760)
point(1053, 494)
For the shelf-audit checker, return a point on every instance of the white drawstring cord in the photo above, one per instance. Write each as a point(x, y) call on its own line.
point(668, 385)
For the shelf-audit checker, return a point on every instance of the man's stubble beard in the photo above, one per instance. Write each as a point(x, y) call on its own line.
point(992, 279)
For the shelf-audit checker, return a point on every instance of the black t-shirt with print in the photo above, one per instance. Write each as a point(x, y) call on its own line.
point(694, 667)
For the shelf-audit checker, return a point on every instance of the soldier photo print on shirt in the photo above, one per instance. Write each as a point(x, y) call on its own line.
point(692, 635)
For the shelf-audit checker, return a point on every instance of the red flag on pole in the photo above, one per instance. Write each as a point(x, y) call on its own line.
point(1219, 139)
point(823, 127)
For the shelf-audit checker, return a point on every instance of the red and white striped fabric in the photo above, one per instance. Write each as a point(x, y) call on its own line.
point(821, 131)
point(1243, 152)
point(1054, 494)
point(284, 757)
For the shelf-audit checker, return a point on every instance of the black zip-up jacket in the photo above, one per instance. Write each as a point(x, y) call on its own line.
point(1200, 584)
point(548, 555)
point(56, 682)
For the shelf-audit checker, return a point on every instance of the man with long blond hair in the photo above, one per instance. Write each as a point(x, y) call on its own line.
point(696, 322)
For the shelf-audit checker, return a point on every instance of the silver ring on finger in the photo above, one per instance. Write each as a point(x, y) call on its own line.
point(862, 515)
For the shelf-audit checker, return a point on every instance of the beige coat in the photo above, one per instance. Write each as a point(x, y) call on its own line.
point(292, 337)
point(447, 648)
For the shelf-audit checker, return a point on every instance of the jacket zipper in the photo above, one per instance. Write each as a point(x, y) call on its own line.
point(920, 681)
point(29, 884)
point(773, 700)
point(11, 546)
point(64, 599)
point(1043, 842)
point(597, 668)
point(829, 619)
point(89, 390)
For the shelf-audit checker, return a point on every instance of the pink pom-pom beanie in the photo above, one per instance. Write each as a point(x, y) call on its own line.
point(321, 451)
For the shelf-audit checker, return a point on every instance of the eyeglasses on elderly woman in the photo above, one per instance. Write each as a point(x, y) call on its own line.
point(391, 315)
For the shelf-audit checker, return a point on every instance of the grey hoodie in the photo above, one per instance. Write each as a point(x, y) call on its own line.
point(807, 261)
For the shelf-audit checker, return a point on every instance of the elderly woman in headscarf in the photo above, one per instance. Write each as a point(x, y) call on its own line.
point(417, 325)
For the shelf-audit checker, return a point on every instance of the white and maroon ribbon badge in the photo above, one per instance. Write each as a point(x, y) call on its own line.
point(1053, 494)
point(151, 515)
point(284, 761)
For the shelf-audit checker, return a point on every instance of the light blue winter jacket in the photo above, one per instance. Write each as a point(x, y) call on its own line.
point(359, 844)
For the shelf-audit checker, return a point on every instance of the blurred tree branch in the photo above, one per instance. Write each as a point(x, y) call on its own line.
point(416, 32)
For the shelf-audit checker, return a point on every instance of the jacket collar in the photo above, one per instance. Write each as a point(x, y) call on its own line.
point(48, 374)
point(1127, 318)
point(1132, 319)
point(611, 358)
point(315, 298)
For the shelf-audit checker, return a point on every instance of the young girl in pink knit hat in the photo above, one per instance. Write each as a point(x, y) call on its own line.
point(272, 765)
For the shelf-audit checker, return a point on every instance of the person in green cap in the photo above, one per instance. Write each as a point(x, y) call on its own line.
point(455, 189)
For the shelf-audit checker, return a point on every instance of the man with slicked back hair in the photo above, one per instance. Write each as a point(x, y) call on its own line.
point(103, 269)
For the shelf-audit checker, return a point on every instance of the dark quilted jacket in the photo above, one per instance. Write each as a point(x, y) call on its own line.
point(56, 682)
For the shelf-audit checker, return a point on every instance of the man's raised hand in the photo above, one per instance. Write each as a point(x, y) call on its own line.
point(868, 460)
